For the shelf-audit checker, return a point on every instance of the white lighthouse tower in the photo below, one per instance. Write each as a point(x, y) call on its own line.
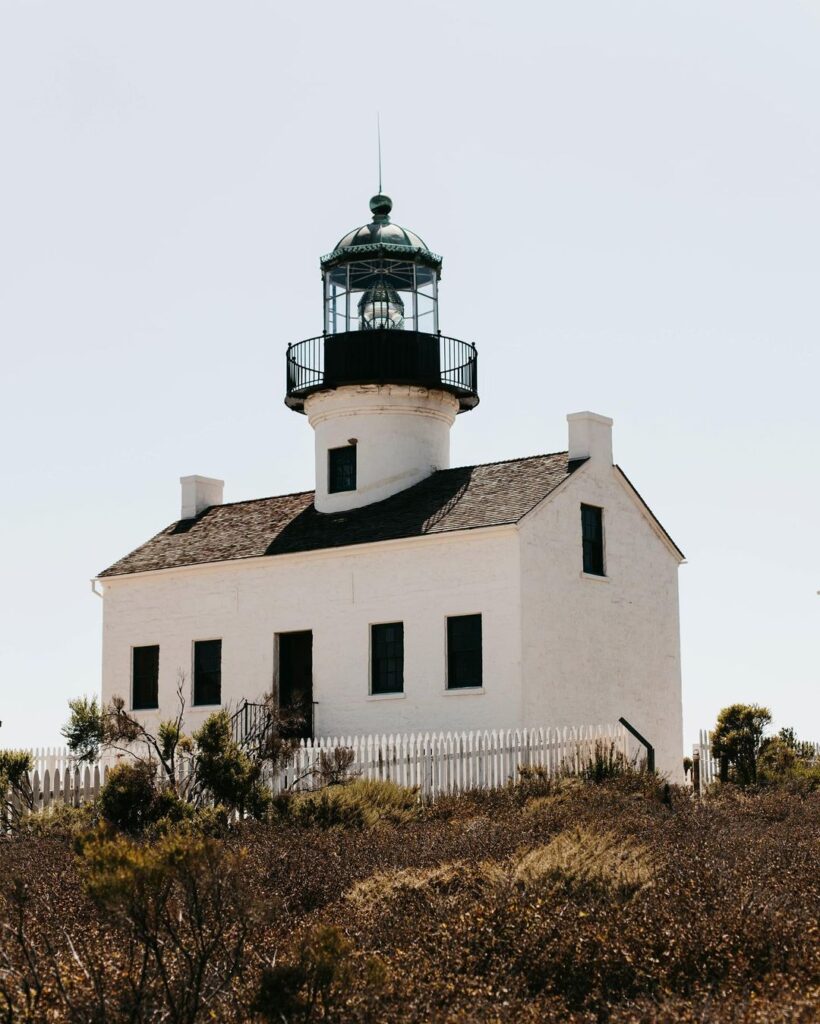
point(381, 386)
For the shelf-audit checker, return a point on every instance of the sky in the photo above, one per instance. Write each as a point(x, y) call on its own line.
point(627, 199)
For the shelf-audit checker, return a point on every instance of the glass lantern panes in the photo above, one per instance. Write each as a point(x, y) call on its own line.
point(381, 294)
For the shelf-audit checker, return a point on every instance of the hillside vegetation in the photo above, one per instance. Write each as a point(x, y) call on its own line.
point(620, 900)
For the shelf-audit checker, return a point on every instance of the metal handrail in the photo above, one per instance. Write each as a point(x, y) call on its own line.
point(457, 364)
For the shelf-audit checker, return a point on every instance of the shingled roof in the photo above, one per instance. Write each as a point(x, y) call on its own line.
point(468, 498)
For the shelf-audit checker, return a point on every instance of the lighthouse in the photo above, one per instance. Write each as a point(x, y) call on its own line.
point(402, 594)
point(381, 386)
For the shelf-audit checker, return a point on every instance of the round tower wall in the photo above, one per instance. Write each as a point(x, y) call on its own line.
point(401, 435)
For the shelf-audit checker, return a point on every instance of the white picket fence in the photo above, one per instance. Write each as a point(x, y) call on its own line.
point(441, 764)
point(437, 764)
point(706, 769)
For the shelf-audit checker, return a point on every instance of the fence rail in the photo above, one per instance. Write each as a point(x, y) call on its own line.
point(438, 764)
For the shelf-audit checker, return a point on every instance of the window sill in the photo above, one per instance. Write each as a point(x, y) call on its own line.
point(155, 707)
point(595, 576)
point(204, 707)
point(466, 691)
point(386, 696)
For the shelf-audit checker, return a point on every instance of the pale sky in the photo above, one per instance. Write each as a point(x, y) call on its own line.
point(627, 199)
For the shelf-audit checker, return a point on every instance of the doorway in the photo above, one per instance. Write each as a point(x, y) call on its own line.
point(294, 676)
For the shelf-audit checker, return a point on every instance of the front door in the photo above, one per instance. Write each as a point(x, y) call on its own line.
point(295, 676)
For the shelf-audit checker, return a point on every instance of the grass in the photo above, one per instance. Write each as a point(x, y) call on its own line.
point(611, 901)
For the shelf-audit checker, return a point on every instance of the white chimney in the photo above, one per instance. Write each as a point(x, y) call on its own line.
point(590, 437)
point(199, 493)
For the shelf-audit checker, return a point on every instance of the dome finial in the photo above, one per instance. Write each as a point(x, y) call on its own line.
point(380, 206)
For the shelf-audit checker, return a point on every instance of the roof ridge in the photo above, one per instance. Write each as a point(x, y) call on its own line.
point(475, 465)
point(502, 462)
point(266, 497)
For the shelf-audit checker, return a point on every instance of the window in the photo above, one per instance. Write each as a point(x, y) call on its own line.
point(463, 651)
point(145, 677)
point(342, 469)
point(592, 530)
point(387, 658)
point(208, 672)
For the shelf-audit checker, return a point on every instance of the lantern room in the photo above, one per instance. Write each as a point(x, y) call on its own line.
point(381, 319)
point(381, 277)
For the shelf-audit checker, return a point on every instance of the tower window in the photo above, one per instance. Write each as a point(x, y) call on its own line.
point(145, 677)
point(592, 531)
point(208, 672)
point(464, 656)
point(342, 469)
point(387, 657)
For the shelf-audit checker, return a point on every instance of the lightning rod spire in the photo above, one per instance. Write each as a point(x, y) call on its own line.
point(379, 138)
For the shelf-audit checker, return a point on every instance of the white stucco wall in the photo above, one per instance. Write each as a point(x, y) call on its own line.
point(336, 594)
point(560, 648)
point(402, 435)
point(595, 648)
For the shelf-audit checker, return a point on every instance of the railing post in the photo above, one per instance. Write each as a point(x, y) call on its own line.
point(650, 750)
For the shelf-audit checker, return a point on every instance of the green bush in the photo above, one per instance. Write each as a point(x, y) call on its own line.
point(737, 740)
point(15, 788)
point(785, 761)
point(360, 804)
point(181, 905)
point(605, 762)
point(320, 980)
point(226, 771)
point(62, 820)
point(132, 801)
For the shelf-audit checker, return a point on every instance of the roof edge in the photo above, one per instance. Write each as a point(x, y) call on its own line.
point(650, 515)
point(512, 524)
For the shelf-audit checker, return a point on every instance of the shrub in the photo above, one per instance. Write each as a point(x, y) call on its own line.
point(63, 820)
point(127, 798)
point(226, 771)
point(319, 981)
point(132, 801)
point(85, 730)
point(583, 859)
point(534, 780)
point(360, 804)
point(334, 766)
point(182, 901)
point(737, 739)
point(785, 761)
point(15, 789)
point(605, 762)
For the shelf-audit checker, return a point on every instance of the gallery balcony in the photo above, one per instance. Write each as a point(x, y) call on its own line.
point(382, 356)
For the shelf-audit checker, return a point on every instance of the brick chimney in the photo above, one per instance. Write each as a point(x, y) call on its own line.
point(590, 437)
point(199, 493)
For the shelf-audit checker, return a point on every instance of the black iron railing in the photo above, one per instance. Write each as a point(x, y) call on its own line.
point(306, 365)
point(382, 357)
point(248, 720)
point(252, 723)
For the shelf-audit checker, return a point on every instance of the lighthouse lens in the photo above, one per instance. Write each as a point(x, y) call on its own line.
point(381, 307)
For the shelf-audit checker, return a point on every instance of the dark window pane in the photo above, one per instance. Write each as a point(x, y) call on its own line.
point(342, 469)
point(145, 678)
point(208, 672)
point(464, 659)
point(592, 529)
point(387, 658)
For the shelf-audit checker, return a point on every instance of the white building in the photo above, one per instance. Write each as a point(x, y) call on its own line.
point(402, 595)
